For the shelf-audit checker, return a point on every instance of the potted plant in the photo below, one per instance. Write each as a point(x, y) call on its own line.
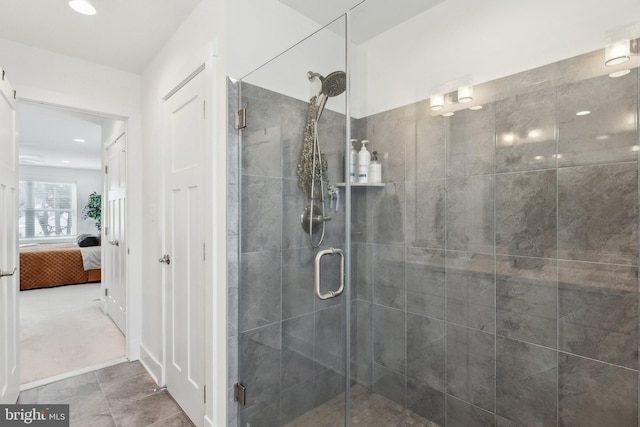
point(93, 209)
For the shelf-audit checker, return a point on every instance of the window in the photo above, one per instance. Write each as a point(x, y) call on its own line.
point(47, 209)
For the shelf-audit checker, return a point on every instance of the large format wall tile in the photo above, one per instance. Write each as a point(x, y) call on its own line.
point(471, 366)
point(389, 276)
point(389, 341)
point(471, 290)
point(260, 294)
point(260, 362)
point(598, 311)
point(426, 402)
point(426, 282)
point(297, 274)
point(389, 132)
point(470, 143)
point(526, 383)
point(362, 271)
point(526, 298)
point(594, 394)
point(385, 214)
point(261, 151)
point(329, 340)
point(526, 214)
point(297, 351)
point(609, 132)
point(461, 414)
point(426, 351)
point(293, 121)
point(426, 156)
point(598, 213)
point(525, 131)
point(470, 213)
point(261, 213)
point(425, 221)
point(364, 343)
point(390, 384)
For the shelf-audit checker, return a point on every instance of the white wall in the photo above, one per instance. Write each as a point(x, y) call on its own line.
point(199, 38)
point(43, 76)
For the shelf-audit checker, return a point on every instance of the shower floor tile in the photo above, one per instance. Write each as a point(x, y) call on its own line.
point(368, 409)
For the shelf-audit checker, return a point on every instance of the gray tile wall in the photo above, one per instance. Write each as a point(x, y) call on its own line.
point(496, 273)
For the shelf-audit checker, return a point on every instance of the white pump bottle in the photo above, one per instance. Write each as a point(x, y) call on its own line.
point(364, 158)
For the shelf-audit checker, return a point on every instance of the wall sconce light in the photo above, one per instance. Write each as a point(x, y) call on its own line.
point(437, 102)
point(617, 52)
point(465, 94)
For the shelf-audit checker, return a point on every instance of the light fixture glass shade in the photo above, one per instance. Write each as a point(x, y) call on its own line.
point(617, 52)
point(83, 7)
point(465, 94)
point(437, 102)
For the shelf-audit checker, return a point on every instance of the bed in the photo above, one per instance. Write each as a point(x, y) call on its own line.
point(49, 265)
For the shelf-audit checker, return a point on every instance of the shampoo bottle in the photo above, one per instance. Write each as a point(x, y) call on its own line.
point(364, 158)
point(353, 162)
point(375, 169)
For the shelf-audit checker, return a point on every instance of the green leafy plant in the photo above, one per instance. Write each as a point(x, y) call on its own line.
point(93, 209)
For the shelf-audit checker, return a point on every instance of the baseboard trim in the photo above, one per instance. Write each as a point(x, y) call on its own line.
point(151, 364)
point(75, 373)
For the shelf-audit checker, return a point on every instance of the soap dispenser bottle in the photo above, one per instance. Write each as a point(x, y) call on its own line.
point(375, 169)
point(353, 162)
point(364, 158)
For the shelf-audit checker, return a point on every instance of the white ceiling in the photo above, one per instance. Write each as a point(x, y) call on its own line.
point(46, 136)
point(124, 34)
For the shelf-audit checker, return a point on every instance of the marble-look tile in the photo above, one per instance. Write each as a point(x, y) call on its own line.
point(364, 343)
point(597, 213)
point(470, 213)
point(526, 298)
point(86, 406)
point(389, 276)
point(426, 282)
point(261, 213)
point(426, 351)
point(385, 214)
point(293, 203)
point(470, 144)
point(426, 402)
point(261, 414)
point(609, 132)
point(297, 282)
point(462, 414)
point(426, 157)
point(389, 384)
point(329, 340)
point(425, 221)
point(389, 341)
point(297, 351)
point(526, 383)
point(362, 271)
point(292, 121)
point(526, 214)
point(529, 81)
point(598, 311)
point(471, 366)
point(328, 385)
point(360, 216)
point(504, 422)
point(525, 131)
point(232, 311)
point(69, 388)
point(260, 363)
point(332, 135)
point(144, 412)
point(27, 397)
point(389, 133)
point(296, 401)
point(471, 290)
point(232, 361)
point(129, 389)
point(180, 420)
point(233, 209)
point(260, 289)
point(103, 420)
point(593, 394)
point(261, 150)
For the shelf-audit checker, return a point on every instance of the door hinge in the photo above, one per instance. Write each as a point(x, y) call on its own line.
point(205, 394)
point(106, 170)
point(106, 292)
point(240, 394)
point(241, 118)
point(204, 109)
point(15, 95)
point(3, 74)
point(106, 231)
point(204, 251)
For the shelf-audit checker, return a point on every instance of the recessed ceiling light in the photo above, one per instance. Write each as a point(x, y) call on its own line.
point(65, 161)
point(449, 114)
point(583, 113)
point(83, 7)
point(617, 52)
point(476, 107)
point(79, 140)
point(619, 73)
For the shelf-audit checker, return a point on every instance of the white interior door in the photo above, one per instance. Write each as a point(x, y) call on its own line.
point(9, 373)
point(184, 243)
point(116, 247)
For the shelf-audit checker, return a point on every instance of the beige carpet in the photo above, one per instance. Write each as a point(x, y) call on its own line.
point(63, 329)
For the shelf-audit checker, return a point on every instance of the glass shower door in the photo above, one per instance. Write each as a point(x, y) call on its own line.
point(291, 342)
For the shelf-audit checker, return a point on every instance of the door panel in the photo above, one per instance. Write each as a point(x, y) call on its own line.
point(9, 373)
point(116, 256)
point(184, 243)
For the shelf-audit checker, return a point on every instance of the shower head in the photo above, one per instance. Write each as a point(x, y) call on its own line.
point(332, 85)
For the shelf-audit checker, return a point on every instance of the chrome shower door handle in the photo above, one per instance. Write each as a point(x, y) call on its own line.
point(337, 292)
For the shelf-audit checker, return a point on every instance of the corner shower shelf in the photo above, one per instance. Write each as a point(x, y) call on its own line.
point(360, 184)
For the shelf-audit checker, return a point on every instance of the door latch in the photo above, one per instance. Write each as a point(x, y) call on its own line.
point(166, 259)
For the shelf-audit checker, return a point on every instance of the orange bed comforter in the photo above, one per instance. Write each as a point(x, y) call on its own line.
point(44, 266)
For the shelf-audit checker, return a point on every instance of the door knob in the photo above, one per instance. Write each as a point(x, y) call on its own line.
point(166, 259)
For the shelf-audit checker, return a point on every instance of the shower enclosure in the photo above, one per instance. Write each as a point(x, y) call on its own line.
point(490, 280)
